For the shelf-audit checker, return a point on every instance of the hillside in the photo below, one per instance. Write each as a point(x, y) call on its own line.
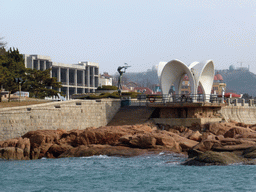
point(240, 81)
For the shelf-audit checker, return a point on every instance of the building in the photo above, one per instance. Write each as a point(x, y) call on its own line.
point(185, 87)
point(75, 78)
point(218, 85)
point(105, 79)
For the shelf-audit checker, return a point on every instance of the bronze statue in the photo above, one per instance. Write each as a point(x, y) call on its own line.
point(121, 72)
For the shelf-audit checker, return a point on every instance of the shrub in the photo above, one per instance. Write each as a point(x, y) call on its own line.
point(107, 87)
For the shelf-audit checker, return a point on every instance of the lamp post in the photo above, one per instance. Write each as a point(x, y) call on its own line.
point(19, 80)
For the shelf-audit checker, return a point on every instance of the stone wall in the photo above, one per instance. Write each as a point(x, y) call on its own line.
point(68, 115)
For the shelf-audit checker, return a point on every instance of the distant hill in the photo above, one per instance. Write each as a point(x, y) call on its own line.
point(239, 80)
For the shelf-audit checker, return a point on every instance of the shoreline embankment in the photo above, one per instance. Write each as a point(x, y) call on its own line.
point(47, 130)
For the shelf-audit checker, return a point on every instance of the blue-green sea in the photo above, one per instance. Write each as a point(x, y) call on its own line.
point(161, 172)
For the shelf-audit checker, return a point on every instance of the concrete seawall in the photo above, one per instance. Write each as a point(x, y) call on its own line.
point(68, 115)
point(244, 114)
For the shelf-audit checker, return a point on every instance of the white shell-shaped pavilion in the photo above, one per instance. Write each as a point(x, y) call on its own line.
point(199, 74)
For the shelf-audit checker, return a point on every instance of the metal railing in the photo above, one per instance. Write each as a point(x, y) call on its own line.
point(144, 100)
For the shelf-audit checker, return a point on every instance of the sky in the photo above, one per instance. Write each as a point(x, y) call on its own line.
point(140, 33)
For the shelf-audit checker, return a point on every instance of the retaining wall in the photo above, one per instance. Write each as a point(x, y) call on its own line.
point(244, 114)
point(68, 115)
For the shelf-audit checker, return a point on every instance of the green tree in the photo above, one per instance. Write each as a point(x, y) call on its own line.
point(2, 45)
point(38, 83)
point(12, 65)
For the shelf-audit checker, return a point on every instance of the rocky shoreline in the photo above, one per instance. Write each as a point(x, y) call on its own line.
point(214, 144)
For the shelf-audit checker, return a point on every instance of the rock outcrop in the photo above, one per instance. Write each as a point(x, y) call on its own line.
point(215, 144)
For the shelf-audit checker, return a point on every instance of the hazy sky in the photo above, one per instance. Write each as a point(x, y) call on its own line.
point(141, 33)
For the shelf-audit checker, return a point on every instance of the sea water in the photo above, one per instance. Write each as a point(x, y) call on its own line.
point(162, 172)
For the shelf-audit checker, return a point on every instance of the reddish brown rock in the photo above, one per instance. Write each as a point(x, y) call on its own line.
point(13, 153)
point(238, 131)
point(219, 137)
point(41, 137)
point(185, 143)
point(168, 142)
point(187, 133)
point(10, 143)
point(218, 128)
point(56, 150)
point(84, 151)
point(242, 125)
point(24, 144)
point(208, 135)
point(196, 136)
point(143, 141)
point(207, 145)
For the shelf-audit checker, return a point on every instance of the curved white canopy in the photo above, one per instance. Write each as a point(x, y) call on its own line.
point(203, 73)
point(173, 73)
point(199, 73)
point(160, 69)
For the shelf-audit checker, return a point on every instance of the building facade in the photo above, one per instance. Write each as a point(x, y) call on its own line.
point(105, 79)
point(75, 78)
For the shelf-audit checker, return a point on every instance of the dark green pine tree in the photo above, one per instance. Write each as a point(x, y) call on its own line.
point(12, 66)
point(38, 83)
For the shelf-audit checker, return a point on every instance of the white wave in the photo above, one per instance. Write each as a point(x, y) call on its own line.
point(96, 156)
point(43, 158)
point(173, 162)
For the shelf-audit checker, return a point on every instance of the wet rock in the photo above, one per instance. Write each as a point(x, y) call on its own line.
point(84, 151)
point(214, 158)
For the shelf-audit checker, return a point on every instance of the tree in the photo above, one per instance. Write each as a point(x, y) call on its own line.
point(2, 45)
point(38, 83)
point(12, 65)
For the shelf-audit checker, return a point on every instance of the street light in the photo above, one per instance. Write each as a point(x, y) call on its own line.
point(19, 80)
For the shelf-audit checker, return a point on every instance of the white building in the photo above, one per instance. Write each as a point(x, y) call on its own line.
point(75, 78)
point(105, 79)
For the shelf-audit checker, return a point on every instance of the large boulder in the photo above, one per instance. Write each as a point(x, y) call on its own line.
point(41, 137)
point(84, 151)
point(56, 150)
point(207, 145)
point(214, 158)
point(184, 143)
point(233, 132)
point(143, 141)
point(196, 136)
point(12, 153)
point(218, 128)
point(24, 144)
point(9, 143)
